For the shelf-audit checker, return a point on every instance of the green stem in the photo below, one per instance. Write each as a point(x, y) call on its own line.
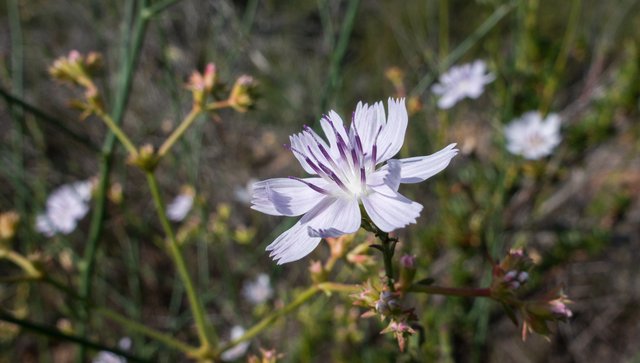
point(339, 52)
point(22, 262)
point(53, 333)
point(116, 130)
point(338, 287)
point(464, 47)
point(128, 64)
point(273, 317)
point(166, 339)
point(196, 305)
point(179, 131)
point(451, 291)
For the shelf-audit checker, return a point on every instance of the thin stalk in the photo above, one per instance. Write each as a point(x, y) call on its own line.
point(569, 36)
point(451, 291)
point(41, 115)
point(22, 262)
point(338, 287)
point(116, 130)
point(464, 47)
point(206, 335)
point(179, 131)
point(53, 333)
point(17, 115)
point(273, 317)
point(166, 339)
point(339, 52)
point(129, 61)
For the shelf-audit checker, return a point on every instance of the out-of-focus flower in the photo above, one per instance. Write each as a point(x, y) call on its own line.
point(108, 357)
point(202, 84)
point(267, 356)
point(243, 193)
point(65, 207)
point(467, 80)
point(237, 351)
point(181, 205)
point(242, 95)
point(552, 307)
point(8, 225)
point(259, 290)
point(347, 174)
point(407, 271)
point(532, 137)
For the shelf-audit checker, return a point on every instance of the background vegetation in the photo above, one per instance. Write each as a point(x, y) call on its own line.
point(577, 213)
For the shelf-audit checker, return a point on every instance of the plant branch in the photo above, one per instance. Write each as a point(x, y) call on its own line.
point(207, 336)
point(451, 291)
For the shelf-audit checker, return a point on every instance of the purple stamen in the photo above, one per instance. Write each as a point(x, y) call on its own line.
point(314, 187)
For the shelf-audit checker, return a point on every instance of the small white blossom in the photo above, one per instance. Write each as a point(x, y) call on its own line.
point(108, 357)
point(181, 205)
point(237, 351)
point(65, 207)
point(467, 80)
point(259, 290)
point(532, 137)
point(348, 173)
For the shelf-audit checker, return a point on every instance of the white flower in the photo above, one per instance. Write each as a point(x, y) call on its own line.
point(467, 80)
point(347, 172)
point(181, 205)
point(65, 207)
point(259, 290)
point(532, 137)
point(108, 357)
point(237, 351)
point(243, 194)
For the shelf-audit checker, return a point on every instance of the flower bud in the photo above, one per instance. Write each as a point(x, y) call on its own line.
point(146, 158)
point(317, 271)
point(243, 93)
point(8, 225)
point(407, 271)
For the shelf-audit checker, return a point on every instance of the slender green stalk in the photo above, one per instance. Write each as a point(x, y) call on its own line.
point(552, 84)
point(273, 317)
point(338, 287)
point(205, 334)
point(443, 33)
point(41, 115)
point(53, 333)
point(127, 66)
point(166, 339)
point(179, 131)
point(464, 47)
point(339, 52)
point(116, 130)
point(22, 262)
point(451, 291)
point(17, 115)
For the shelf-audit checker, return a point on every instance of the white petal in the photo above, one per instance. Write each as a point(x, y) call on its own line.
point(367, 122)
point(391, 212)
point(392, 135)
point(286, 197)
point(293, 244)
point(44, 226)
point(420, 168)
point(341, 217)
point(389, 175)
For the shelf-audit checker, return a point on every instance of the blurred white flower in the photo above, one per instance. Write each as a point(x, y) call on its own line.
point(243, 194)
point(65, 207)
point(259, 290)
point(347, 175)
point(532, 137)
point(467, 80)
point(237, 351)
point(108, 357)
point(181, 205)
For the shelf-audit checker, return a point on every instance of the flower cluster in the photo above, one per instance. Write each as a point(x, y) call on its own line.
point(65, 207)
point(348, 171)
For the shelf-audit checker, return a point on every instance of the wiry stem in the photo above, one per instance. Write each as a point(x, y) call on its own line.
point(206, 336)
point(452, 291)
